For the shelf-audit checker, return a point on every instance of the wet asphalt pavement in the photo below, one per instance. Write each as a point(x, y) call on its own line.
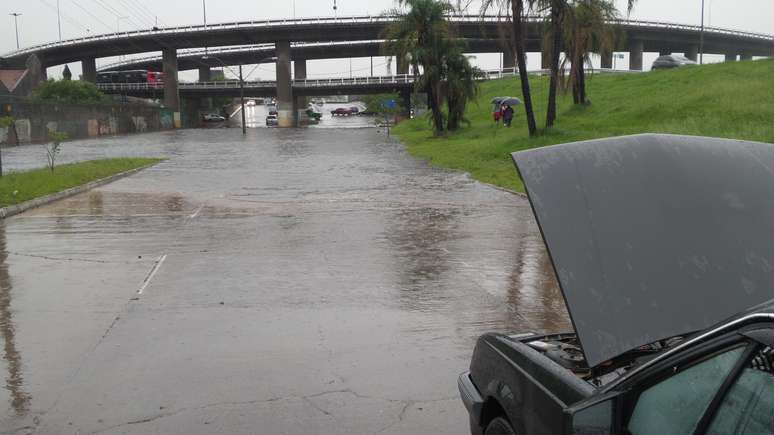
point(293, 281)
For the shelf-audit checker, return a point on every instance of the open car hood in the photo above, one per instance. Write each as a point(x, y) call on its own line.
point(654, 236)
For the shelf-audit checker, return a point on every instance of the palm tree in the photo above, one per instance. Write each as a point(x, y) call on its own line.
point(461, 85)
point(517, 35)
point(421, 35)
point(557, 9)
point(587, 28)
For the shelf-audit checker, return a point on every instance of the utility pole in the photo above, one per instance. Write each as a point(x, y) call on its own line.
point(242, 98)
point(59, 19)
point(372, 66)
point(118, 23)
point(16, 24)
point(204, 11)
point(335, 9)
point(701, 36)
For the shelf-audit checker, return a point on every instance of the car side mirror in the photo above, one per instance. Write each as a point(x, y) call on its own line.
point(591, 417)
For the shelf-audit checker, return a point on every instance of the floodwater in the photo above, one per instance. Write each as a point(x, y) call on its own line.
point(290, 281)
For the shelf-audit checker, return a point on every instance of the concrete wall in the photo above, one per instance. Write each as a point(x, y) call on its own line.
point(35, 120)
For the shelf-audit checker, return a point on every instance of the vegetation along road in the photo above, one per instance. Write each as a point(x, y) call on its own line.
point(733, 100)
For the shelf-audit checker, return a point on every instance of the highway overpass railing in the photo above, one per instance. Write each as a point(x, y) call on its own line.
point(380, 19)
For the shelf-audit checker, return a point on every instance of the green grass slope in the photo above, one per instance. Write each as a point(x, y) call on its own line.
point(17, 187)
point(732, 100)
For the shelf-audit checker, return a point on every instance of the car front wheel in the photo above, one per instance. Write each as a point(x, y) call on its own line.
point(499, 426)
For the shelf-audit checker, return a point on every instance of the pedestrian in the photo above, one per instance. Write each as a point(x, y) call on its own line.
point(508, 116)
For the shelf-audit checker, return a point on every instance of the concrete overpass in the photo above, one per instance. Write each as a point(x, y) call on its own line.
point(640, 36)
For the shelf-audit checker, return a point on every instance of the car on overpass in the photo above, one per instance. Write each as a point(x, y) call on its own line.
point(670, 61)
point(669, 281)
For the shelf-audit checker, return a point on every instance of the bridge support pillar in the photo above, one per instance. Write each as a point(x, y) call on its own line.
point(635, 55)
point(402, 65)
point(205, 75)
point(89, 67)
point(606, 61)
point(405, 101)
point(285, 113)
point(171, 91)
point(299, 102)
point(692, 53)
point(509, 59)
point(745, 56)
point(730, 57)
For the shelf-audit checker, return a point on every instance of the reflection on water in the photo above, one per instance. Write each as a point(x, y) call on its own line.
point(20, 400)
point(533, 289)
point(418, 238)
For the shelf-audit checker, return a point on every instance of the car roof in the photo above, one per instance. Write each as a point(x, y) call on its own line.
point(654, 236)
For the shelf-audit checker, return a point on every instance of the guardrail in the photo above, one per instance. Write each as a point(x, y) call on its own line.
point(401, 79)
point(382, 19)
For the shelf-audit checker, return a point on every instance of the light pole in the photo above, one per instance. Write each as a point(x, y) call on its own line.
point(204, 12)
point(242, 99)
point(335, 9)
point(118, 23)
point(16, 24)
point(59, 19)
point(701, 36)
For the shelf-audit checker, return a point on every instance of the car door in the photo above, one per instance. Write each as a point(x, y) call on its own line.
point(674, 398)
point(726, 390)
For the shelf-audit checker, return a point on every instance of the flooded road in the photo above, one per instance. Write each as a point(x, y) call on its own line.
point(291, 281)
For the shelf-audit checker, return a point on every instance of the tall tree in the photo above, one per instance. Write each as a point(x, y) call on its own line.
point(518, 32)
point(587, 28)
point(420, 35)
point(557, 9)
point(461, 86)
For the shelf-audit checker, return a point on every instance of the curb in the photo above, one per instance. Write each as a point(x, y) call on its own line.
point(13, 210)
point(521, 194)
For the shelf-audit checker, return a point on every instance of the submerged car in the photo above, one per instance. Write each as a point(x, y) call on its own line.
point(211, 117)
point(663, 247)
point(341, 111)
point(671, 61)
point(272, 119)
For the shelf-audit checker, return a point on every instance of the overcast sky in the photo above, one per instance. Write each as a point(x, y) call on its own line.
point(38, 22)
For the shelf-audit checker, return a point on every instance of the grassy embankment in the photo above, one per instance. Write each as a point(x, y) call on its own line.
point(17, 187)
point(733, 100)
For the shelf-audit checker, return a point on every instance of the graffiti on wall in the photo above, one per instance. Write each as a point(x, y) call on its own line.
point(140, 126)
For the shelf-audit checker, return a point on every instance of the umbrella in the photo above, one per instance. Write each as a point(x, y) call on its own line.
point(498, 100)
point(510, 101)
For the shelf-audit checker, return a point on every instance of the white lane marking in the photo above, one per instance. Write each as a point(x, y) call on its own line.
point(152, 273)
point(196, 213)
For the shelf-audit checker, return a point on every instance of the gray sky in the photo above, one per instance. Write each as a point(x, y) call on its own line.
point(38, 23)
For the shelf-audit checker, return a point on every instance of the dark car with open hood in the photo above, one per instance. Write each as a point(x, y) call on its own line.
point(663, 247)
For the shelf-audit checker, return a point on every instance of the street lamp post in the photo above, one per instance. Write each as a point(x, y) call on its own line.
point(16, 24)
point(59, 19)
point(204, 12)
point(242, 99)
point(701, 36)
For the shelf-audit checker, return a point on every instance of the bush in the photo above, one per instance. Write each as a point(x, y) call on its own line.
point(68, 91)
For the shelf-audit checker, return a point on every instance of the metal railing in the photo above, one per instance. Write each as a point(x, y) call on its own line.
point(381, 19)
point(401, 79)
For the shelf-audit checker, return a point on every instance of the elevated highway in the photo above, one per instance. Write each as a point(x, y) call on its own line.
point(289, 43)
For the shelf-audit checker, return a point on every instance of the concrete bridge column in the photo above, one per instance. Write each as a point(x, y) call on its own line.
point(635, 55)
point(205, 75)
point(730, 57)
point(745, 56)
point(692, 53)
point(285, 113)
point(299, 102)
point(405, 101)
point(171, 91)
point(89, 67)
point(509, 59)
point(606, 60)
point(402, 65)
